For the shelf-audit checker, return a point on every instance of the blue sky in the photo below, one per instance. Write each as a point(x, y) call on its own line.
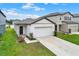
point(34, 10)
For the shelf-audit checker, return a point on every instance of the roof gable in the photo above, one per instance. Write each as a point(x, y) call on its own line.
point(76, 15)
point(68, 13)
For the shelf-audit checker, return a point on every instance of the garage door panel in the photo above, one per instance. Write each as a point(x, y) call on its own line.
point(43, 31)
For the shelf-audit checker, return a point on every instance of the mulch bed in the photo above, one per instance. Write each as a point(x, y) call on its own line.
point(21, 39)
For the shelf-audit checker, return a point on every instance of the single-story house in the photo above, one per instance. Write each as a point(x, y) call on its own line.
point(48, 24)
point(2, 22)
point(39, 27)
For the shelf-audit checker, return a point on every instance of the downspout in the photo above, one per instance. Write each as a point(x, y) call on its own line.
point(55, 32)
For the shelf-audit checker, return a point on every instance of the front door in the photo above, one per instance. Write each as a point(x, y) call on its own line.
point(21, 30)
point(69, 30)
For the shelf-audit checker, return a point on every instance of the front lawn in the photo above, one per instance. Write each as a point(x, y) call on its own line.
point(74, 38)
point(9, 46)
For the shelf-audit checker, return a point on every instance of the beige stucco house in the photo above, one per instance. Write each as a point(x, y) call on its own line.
point(39, 27)
point(48, 24)
point(66, 22)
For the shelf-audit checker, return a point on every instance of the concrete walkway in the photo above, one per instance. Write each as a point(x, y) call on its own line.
point(59, 46)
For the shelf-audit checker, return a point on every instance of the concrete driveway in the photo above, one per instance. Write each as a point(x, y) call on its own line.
point(59, 46)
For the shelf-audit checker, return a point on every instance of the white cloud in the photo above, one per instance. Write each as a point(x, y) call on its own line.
point(32, 6)
point(39, 9)
point(28, 6)
point(13, 14)
point(31, 16)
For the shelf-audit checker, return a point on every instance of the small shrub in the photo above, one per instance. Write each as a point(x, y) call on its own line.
point(55, 33)
point(0, 35)
point(8, 26)
point(27, 36)
point(60, 34)
point(30, 36)
point(20, 39)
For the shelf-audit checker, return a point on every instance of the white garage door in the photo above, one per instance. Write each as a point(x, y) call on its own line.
point(43, 31)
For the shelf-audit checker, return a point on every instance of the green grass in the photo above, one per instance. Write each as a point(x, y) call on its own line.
point(74, 38)
point(10, 47)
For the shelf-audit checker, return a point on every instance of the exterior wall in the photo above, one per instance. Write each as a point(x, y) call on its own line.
point(42, 23)
point(58, 27)
point(64, 28)
point(28, 29)
point(58, 21)
point(73, 27)
point(55, 19)
point(2, 23)
point(2, 29)
point(76, 19)
point(2, 19)
point(31, 28)
point(62, 17)
point(16, 28)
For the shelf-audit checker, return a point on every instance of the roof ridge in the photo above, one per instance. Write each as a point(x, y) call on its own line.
point(2, 13)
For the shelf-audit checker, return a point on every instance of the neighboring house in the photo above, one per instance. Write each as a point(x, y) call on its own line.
point(2, 22)
point(47, 25)
point(66, 22)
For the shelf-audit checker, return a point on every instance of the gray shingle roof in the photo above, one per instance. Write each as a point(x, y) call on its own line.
point(76, 15)
point(58, 13)
point(30, 20)
point(2, 13)
point(25, 21)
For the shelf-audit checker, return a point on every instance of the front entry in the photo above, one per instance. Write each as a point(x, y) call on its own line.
point(69, 30)
point(60, 27)
point(21, 30)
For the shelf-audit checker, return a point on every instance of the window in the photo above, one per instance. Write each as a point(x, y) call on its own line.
point(60, 18)
point(67, 18)
point(69, 30)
